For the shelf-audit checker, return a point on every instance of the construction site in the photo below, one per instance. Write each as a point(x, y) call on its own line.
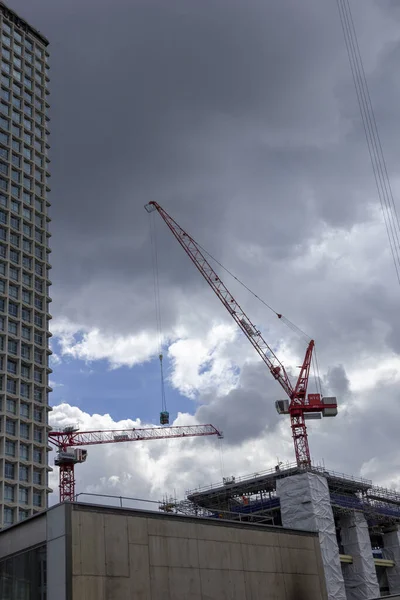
point(298, 531)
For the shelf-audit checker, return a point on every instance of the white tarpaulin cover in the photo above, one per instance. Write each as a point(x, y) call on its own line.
point(360, 577)
point(391, 551)
point(305, 504)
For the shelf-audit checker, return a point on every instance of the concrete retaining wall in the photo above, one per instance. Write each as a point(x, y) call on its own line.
point(116, 556)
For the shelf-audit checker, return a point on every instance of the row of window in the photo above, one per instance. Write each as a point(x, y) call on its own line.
point(10, 99)
point(9, 515)
point(14, 310)
point(27, 137)
point(24, 371)
point(15, 291)
point(26, 351)
point(24, 410)
point(18, 208)
point(27, 262)
point(19, 39)
point(18, 147)
point(26, 61)
point(20, 120)
point(23, 495)
point(33, 85)
point(27, 183)
point(25, 451)
point(24, 389)
point(37, 103)
point(27, 246)
point(17, 174)
point(27, 279)
point(15, 222)
point(26, 332)
point(24, 430)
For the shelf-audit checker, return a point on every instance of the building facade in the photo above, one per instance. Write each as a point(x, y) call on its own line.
point(24, 269)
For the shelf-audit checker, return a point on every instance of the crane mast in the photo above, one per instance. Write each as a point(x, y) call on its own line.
point(69, 440)
point(299, 406)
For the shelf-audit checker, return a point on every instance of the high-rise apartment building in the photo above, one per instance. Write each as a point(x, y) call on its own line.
point(24, 269)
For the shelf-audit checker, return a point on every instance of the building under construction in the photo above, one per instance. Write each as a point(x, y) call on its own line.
point(357, 521)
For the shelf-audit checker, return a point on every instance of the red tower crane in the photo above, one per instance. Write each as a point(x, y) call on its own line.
point(69, 440)
point(300, 406)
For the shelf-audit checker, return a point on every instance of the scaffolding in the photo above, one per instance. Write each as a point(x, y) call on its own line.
point(255, 496)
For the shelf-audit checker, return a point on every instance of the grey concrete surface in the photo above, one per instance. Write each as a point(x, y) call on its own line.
point(117, 555)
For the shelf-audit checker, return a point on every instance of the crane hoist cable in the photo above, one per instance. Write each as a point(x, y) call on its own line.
point(164, 414)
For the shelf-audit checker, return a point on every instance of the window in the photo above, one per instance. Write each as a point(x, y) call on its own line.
point(27, 279)
point(12, 366)
point(24, 410)
point(8, 516)
point(26, 244)
point(28, 45)
point(10, 448)
point(5, 66)
point(14, 239)
point(2, 305)
point(28, 110)
point(27, 262)
point(15, 175)
point(38, 302)
point(27, 297)
point(26, 332)
point(11, 386)
point(38, 267)
point(14, 256)
point(24, 451)
point(23, 514)
point(27, 197)
point(9, 471)
point(9, 493)
point(5, 124)
point(2, 286)
point(11, 406)
point(25, 371)
point(37, 499)
point(12, 347)
point(3, 216)
point(27, 124)
point(2, 323)
point(37, 375)
point(3, 199)
point(15, 222)
point(3, 234)
point(26, 315)
point(2, 268)
point(23, 493)
point(24, 389)
point(38, 395)
point(11, 427)
point(13, 292)
point(27, 229)
point(17, 103)
point(38, 357)
point(23, 473)
point(37, 434)
point(37, 477)
point(25, 351)
point(24, 430)
point(3, 153)
point(27, 213)
point(38, 320)
point(16, 130)
point(13, 309)
point(16, 145)
point(38, 252)
point(14, 273)
point(3, 251)
point(12, 328)
point(3, 184)
point(38, 285)
point(37, 455)
point(37, 414)
point(38, 189)
point(15, 190)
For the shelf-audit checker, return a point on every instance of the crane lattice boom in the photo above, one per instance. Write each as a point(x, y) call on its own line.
point(299, 405)
point(68, 441)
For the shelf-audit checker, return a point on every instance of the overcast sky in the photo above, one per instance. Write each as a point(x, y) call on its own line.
point(241, 119)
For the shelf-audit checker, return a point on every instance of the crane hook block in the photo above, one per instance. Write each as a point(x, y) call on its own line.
point(164, 417)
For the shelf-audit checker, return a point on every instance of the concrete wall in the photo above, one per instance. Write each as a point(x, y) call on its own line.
point(118, 555)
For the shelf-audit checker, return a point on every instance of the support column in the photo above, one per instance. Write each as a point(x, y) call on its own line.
point(360, 577)
point(305, 504)
point(391, 551)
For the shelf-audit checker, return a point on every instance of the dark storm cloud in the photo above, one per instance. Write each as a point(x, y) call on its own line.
point(224, 112)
